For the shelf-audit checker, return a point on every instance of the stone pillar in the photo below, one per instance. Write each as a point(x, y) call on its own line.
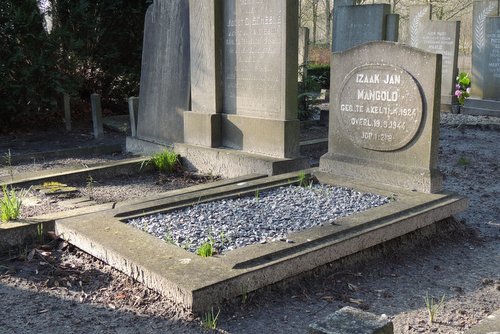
point(133, 109)
point(95, 100)
point(202, 125)
point(67, 111)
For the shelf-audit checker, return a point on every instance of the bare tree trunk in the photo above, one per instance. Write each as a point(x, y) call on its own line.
point(314, 19)
point(328, 20)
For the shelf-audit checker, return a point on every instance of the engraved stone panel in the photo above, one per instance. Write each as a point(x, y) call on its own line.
point(380, 107)
point(441, 37)
point(254, 56)
point(481, 10)
point(492, 64)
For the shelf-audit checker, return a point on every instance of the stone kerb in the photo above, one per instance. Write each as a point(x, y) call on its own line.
point(384, 123)
point(438, 37)
point(164, 91)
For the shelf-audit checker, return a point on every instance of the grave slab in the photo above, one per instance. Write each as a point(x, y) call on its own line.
point(164, 267)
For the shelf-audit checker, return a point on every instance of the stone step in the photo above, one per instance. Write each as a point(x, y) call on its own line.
point(479, 111)
point(482, 104)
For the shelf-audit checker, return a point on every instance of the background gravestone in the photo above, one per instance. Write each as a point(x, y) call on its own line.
point(384, 118)
point(485, 94)
point(481, 11)
point(491, 89)
point(355, 25)
point(438, 37)
point(164, 92)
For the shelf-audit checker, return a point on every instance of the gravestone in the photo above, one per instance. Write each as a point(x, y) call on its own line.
point(485, 87)
point(480, 50)
point(355, 25)
point(244, 56)
point(439, 37)
point(164, 90)
point(384, 116)
point(491, 89)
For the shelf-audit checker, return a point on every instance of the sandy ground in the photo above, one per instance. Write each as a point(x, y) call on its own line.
point(58, 289)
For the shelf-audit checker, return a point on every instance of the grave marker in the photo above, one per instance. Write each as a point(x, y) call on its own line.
point(355, 25)
point(164, 91)
point(481, 11)
point(95, 101)
point(244, 85)
point(384, 116)
point(438, 37)
point(485, 86)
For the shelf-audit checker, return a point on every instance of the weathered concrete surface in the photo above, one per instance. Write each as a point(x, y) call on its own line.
point(232, 163)
point(489, 325)
point(350, 320)
point(122, 167)
point(164, 267)
point(65, 153)
point(13, 234)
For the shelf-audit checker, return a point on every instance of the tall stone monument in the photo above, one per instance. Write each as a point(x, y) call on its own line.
point(439, 37)
point(164, 91)
point(384, 116)
point(355, 25)
point(485, 59)
point(244, 87)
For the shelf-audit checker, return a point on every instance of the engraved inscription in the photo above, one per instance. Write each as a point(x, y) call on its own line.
point(439, 42)
point(252, 53)
point(380, 107)
point(494, 54)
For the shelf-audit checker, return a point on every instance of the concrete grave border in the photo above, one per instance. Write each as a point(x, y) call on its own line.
point(197, 283)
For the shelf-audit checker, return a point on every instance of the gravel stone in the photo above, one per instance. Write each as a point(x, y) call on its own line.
point(272, 215)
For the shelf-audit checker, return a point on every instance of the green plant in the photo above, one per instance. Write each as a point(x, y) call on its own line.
point(39, 233)
point(462, 87)
point(463, 161)
point(304, 179)
point(169, 238)
point(432, 307)
point(165, 161)
point(392, 197)
point(7, 161)
point(10, 204)
point(90, 186)
point(209, 320)
point(206, 249)
point(257, 195)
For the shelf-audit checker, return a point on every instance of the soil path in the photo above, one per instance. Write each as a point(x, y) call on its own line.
point(63, 290)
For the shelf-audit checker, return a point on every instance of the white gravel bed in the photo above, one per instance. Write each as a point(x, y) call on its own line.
point(267, 216)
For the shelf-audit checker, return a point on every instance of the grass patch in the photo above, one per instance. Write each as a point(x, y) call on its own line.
point(206, 250)
point(10, 205)
point(165, 161)
point(432, 307)
point(209, 320)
